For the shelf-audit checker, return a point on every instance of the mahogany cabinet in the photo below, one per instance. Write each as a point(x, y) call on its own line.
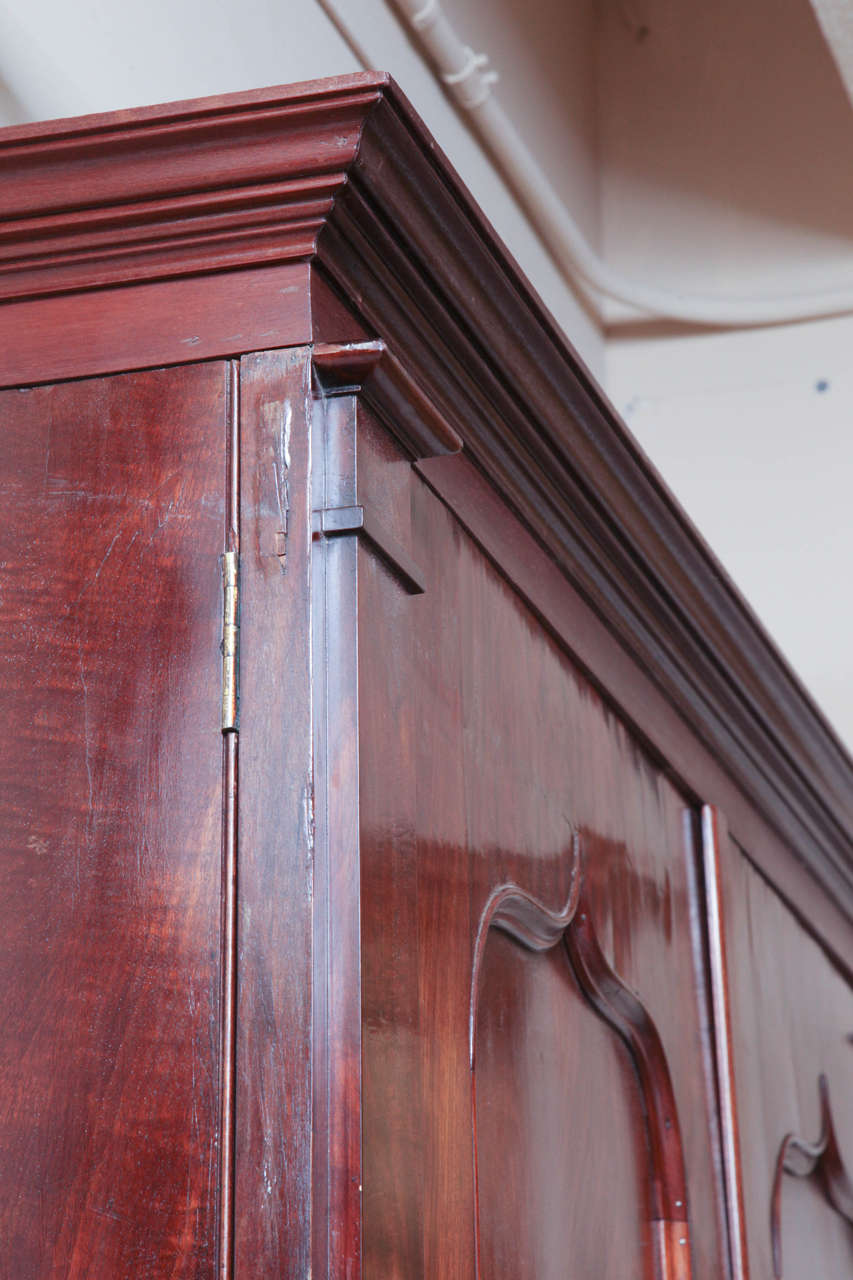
point(416, 861)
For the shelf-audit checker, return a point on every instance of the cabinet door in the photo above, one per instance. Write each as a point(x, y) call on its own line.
point(537, 1085)
point(792, 1018)
point(111, 824)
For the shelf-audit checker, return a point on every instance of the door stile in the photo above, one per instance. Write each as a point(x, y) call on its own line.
point(230, 774)
point(336, 1230)
point(275, 836)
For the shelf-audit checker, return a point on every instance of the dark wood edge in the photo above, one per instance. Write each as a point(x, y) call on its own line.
point(336, 1194)
point(714, 839)
point(230, 852)
point(184, 112)
point(393, 394)
point(517, 913)
point(214, 184)
point(538, 928)
point(340, 522)
point(822, 1160)
point(622, 1011)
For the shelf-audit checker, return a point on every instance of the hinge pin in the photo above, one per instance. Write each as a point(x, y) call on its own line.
point(230, 641)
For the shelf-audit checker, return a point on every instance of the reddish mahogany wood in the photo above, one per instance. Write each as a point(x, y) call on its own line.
point(342, 174)
point(714, 840)
point(579, 669)
point(110, 832)
point(657, 1133)
point(206, 185)
point(162, 323)
point(479, 748)
point(230, 853)
point(622, 1010)
point(791, 1015)
point(275, 841)
point(386, 387)
point(821, 1159)
point(485, 351)
point(560, 1127)
point(563, 612)
point(333, 319)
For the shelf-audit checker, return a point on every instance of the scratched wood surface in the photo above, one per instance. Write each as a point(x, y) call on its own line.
point(481, 750)
point(110, 825)
point(275, 842)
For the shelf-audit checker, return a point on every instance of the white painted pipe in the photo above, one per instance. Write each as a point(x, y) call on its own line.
point(466, 76)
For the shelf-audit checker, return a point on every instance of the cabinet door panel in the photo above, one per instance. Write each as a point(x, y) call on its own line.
point(560, 1128)
point(110, 817)
point(487, 760)
point(792, 1015)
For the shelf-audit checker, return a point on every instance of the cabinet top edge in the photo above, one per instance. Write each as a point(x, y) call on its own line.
point(342, 174)
point(135, 120)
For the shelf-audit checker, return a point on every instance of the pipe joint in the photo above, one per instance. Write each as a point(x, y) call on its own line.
point(473, 84)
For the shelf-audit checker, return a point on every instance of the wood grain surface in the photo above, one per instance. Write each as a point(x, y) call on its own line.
point(110, 825)
point(274, 1025)
point(791, 1020)
point(129, 237)
point(275, 837)
point(481, 751)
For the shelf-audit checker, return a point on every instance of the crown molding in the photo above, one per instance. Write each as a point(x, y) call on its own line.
point(407, 245)
point(342, 177)
point(216, 184)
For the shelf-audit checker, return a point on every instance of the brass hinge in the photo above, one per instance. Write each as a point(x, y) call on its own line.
point(230, 641)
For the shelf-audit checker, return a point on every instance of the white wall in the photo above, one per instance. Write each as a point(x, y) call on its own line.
point(727, 168)
point(726, 140)
point(59, 58)
point(752, 431)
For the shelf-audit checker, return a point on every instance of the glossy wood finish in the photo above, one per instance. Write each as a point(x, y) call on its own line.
point(168, 322)
point(624, 1012)
point(340, 181)
point(564, 612)
point(337, 1065)
point(791, 1016)
point(714, 840)
point(480, 750)
point(543, 1110)
point(110, 837)
point(420, 263)
point(215, 184)
point(491, 683)
point(659, 1152)
point(821, 1159)
point(276, 837)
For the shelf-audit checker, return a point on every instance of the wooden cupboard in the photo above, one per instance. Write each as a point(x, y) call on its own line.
point(416, 859)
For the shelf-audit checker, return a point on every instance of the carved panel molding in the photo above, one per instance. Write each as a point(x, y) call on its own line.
point(519, 915)
point(821, 1160)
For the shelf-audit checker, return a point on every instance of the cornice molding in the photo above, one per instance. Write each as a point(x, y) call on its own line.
point(211, 185)
point(406, 243)
point(343, 175)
